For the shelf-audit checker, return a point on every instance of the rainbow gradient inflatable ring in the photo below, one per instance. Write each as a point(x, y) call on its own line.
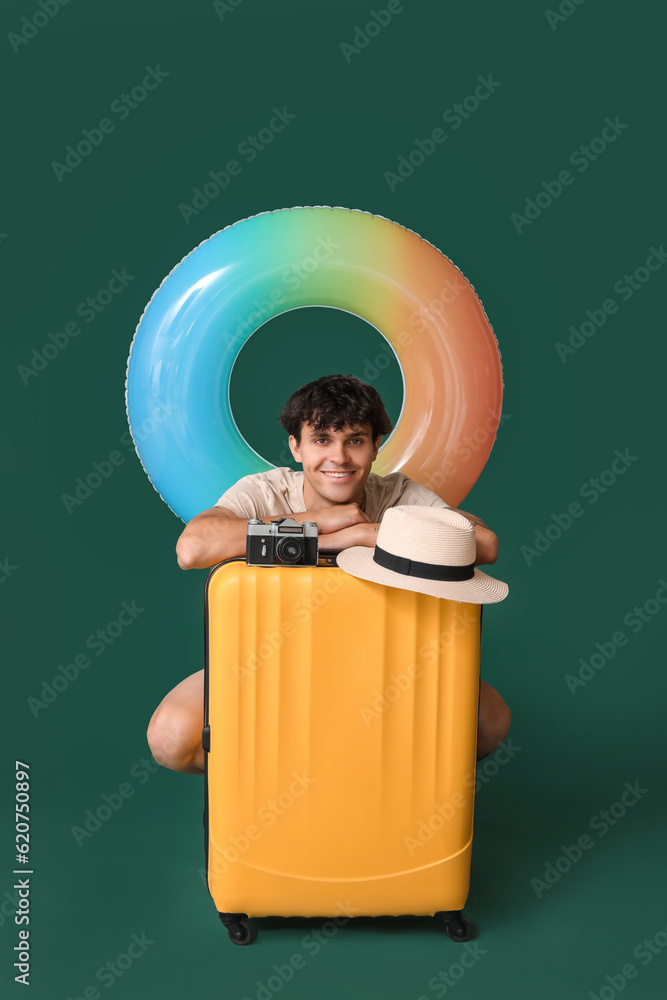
point(181, 358)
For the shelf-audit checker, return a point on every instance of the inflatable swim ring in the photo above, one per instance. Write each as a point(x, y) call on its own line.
point(186, 342)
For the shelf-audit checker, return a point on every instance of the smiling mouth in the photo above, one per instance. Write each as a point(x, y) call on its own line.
point(338, 475)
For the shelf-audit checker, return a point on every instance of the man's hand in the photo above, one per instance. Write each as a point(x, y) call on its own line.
point(333, 519)
point(486, 540)
point(355, 534)
point(218, 533)
point(365, 533)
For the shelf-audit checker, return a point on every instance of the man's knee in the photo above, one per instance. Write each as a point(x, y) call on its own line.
point(165, 738)
point(502, 720)
point(494, 722)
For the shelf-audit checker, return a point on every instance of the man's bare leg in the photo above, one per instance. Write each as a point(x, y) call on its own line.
point(174, 732)
point(494, 720)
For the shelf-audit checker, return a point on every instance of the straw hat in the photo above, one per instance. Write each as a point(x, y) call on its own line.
point(427, 549)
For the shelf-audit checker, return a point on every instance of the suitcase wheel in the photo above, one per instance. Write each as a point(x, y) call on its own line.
point(457, 926)
point(240, 931)
point(459, 930)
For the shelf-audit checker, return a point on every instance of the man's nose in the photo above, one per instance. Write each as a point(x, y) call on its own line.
point(339, 452)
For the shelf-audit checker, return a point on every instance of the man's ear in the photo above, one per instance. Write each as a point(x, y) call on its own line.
point(376, 446)
point(294, 448)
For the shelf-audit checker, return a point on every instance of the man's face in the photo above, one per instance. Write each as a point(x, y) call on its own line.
point(336, 464)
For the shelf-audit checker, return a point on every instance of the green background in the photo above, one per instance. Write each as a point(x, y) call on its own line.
point(119, 208)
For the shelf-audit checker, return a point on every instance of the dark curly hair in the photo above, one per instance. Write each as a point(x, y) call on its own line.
point(332, 402)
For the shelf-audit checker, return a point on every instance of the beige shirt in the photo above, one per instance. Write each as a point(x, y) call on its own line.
point(280, 491)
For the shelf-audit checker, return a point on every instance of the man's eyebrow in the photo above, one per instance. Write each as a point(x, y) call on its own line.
point(327, 433)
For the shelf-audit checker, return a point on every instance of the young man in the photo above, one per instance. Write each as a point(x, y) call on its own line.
point(335, 428)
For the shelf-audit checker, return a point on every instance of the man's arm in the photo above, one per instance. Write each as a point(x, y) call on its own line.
point(363, 533)
point(487, 540)
point(366, 534)
point(218, 533)
point(210, 537)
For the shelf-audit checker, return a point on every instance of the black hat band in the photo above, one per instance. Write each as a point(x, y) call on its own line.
point(425, 571)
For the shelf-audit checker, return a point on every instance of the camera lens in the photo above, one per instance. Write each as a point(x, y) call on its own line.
point(290, 550)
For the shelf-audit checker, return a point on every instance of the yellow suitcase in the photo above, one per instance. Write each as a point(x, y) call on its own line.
point(340, 730)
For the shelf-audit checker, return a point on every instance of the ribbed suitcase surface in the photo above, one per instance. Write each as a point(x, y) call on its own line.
point(343, 726)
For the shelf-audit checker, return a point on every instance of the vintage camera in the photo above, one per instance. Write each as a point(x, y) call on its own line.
point(282, 542)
